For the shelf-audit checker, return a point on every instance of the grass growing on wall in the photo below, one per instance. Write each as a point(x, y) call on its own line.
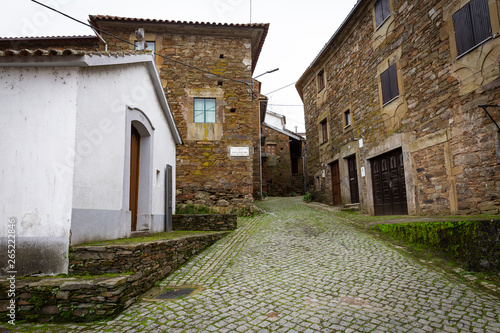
point(473, 243)
point(191, 209)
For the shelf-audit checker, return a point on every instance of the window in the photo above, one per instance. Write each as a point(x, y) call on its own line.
point(472, 25)
point(347, 118)
point(382, 11)
point(324, 131)
point(148, 46)
point(389, 81)
point(204, 110)
point(321, 80)
point(271, 149)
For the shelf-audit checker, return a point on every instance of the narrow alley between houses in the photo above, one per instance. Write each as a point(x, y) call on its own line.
point(295, 269)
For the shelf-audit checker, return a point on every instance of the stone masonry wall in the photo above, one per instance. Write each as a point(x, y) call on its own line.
point(205, 222)
point(277, 177)
point(137, 267)
point(451, 162)
point(206, 174)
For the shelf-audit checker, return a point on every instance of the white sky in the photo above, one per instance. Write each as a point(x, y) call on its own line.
point(298, 30)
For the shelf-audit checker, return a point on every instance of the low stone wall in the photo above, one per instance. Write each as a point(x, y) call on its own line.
point(208, 222)
point(136, 268)
point(476, 244)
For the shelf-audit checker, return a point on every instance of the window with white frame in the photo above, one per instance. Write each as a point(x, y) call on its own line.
point(205, 110)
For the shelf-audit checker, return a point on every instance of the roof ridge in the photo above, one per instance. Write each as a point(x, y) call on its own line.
point(135, 19)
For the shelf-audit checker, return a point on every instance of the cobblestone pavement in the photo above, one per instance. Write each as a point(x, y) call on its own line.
point(295, 269)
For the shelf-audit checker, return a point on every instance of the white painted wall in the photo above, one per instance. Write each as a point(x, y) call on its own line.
point(102, 176)
point(38, 132)
point(275, 120)
point(65, 163)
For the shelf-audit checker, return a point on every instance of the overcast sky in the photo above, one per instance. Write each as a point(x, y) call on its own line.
point(298, 30)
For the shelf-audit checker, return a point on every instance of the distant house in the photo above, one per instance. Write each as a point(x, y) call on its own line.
point(88, 152)
point(282, 158)
point(393, 108)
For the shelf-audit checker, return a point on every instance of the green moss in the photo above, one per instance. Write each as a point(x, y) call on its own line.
point(457, 240)
point(155, 237)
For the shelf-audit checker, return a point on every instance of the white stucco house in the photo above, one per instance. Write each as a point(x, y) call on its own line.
point(88, 152)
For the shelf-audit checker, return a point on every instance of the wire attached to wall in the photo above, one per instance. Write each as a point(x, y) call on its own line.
point(160, 55)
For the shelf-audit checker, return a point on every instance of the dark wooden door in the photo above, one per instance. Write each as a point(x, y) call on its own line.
point(353, 179)
point(389, 185)
point(135, 147)
point(337, 199)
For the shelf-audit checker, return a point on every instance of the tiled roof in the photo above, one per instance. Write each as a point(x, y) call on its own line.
point(131, 19)
point(66, 52)
point(46, 38)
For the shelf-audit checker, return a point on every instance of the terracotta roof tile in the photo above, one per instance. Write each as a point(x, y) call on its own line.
point(66, 52)
point(131, 19)
point(47, 37)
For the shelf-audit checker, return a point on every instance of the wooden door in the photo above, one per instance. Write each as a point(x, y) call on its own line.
point(353, 179)
point(135, 147)
point(337, 199)
point(389, 185)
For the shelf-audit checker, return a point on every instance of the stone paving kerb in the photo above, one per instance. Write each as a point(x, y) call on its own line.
point(295, 269)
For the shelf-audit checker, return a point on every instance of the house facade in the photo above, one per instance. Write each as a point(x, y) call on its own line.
point(206, 71)
point(282, 158)
point(89, 145)
point(393, 108)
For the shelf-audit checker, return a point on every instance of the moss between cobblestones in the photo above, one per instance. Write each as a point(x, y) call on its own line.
point(421, 245)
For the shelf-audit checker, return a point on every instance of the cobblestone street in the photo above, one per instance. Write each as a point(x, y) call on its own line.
point(295, 269)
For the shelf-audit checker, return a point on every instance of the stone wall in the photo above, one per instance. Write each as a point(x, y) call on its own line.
point(206, 173)
point(476, 244)
point(134, 268)
point(277, 176)
point(208, 222)
point(450, 160)
point(160, 256)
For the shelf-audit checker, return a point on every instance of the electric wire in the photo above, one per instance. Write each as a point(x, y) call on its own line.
point(160, 55)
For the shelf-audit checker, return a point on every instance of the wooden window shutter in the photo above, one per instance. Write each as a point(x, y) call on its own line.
point(463, 29)
point(379, 18)
point(481, 25)
point(389, 82)
point(382, 11)
point(472, 25)
point(393, 81)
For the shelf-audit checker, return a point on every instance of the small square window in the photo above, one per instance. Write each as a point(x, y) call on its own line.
point(149, 46)
point(347, 118)
point(472, 25)
point(389, 81)
point(205, 110)
point(271, 149)
point(382, 11)
point(321, 80)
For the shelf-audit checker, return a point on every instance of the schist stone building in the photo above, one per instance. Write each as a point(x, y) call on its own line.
point(392, 108)
point(282, 158)
point(217, 116)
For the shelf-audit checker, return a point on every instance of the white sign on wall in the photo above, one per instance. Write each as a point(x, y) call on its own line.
point(239, 151)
